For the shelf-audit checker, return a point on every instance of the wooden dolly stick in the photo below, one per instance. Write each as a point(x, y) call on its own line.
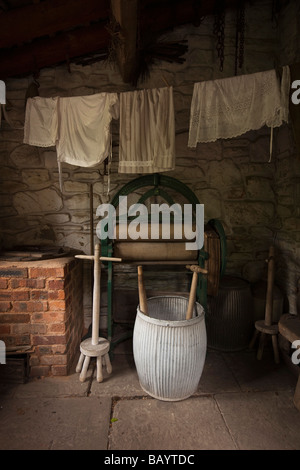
point(142, 291)
point(195, 270)
point(96, 290)
point(95, 346)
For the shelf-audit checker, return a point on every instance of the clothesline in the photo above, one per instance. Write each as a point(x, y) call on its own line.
point(175, 87)
point(79, 126)
point(191, 85)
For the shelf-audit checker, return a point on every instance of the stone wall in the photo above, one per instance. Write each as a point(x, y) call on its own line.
point(254, 199)
point(287, 174)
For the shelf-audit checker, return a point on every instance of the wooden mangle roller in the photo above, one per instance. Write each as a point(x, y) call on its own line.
point(171, 251)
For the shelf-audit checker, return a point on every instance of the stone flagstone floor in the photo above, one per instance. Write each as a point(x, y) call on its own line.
point(241, 404)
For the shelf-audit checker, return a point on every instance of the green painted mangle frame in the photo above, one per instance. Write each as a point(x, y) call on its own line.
point(159, 186)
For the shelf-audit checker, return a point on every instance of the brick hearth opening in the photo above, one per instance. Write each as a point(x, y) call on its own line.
point(41, 307)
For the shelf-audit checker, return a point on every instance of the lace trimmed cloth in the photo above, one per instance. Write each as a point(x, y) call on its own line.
point(147, 131)
point(229, 107)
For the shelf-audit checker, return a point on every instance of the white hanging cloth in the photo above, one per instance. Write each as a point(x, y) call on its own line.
point(84, 128)
point(41, 121)
point(84, 137)
point(147, 131)
point(79, 127)
point(2, 92)
point(229, 107)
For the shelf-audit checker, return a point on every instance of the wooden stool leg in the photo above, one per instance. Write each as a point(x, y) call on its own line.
point(99, 369)
point(85, 367)
point(275, 349)
point(80, 362)
point(254, 338)
point(108, 364)
point(261, 345)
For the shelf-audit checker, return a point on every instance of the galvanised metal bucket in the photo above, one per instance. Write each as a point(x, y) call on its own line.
point(169, 351)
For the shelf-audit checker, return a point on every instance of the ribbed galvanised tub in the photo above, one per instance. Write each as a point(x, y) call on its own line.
point(169, 351)
point(229, 316)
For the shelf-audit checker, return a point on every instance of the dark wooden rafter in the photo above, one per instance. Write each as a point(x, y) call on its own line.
point(47, 18)
point(135, 47)
point(140, 23)
point(44, 33)
point(46, 52)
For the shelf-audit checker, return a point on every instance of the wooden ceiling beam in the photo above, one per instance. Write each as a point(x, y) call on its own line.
point(47, 52)
point(139, 22)
point(125, 15)
point(45, 33)
point(47, 18)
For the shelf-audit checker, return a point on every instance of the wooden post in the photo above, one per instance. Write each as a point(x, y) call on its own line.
point(96, 296)
point(269, 298)
point(91, 220)
point(96, 287)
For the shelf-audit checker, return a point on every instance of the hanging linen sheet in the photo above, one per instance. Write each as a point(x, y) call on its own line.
point(84, 137)
point(147, 131)
point(40, 128)
point(84, 128)
point(78, 126)
point(229, 107)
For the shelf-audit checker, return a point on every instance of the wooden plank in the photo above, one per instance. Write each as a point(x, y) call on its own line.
point(48, 17)
point(289, 327)
point(49, 51)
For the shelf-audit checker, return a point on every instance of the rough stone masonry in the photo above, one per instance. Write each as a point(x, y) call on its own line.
point(256, 201)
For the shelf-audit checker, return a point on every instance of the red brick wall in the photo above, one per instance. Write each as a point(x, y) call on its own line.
point(41, 307)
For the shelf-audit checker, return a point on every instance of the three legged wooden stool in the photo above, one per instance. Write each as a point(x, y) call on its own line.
point(95, 346)
point(266, 327)
point(100, 351)
point(263, 330)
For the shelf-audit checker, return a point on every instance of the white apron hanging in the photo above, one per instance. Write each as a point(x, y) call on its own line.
point(147, 131)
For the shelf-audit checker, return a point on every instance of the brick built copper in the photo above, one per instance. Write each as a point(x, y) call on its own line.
point(41, 307)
